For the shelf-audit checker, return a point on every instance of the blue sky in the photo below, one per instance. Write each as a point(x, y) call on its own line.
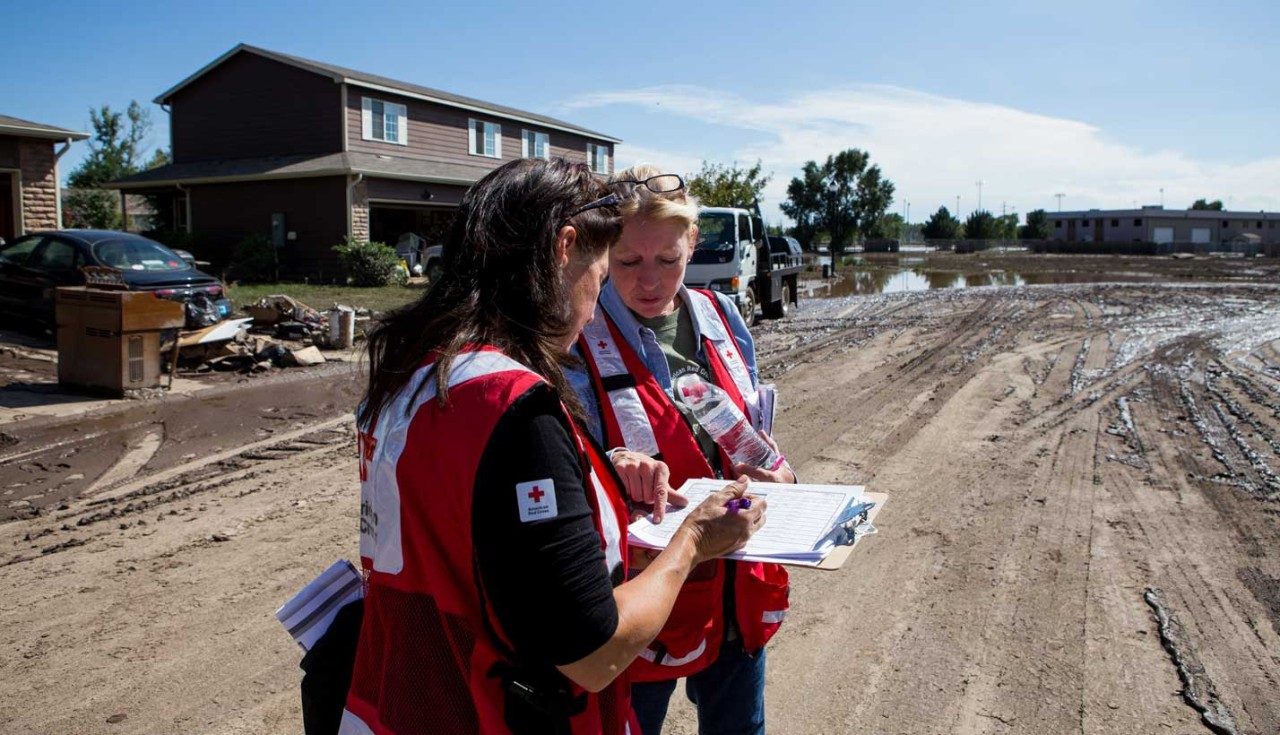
point(1104, 102)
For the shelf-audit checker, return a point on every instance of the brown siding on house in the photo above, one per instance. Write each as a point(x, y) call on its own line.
point(438, 132)
point(250, 106)
point(224, 214)
point(39, 185)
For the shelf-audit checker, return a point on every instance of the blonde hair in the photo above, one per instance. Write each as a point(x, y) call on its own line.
point(677, 205)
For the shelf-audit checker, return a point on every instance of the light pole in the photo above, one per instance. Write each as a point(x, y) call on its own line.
point(1059, 197)
point(1162, 197)
point(979, 209)
point(833, 189)
point(957, 206)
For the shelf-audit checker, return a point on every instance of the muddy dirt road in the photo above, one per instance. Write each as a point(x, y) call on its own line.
point(1083, 533)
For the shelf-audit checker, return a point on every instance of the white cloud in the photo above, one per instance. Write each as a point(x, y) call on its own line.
point(936, 147)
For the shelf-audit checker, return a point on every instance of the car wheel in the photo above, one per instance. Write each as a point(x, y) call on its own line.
point(434, 271)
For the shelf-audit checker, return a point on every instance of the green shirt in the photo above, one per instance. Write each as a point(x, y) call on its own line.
point(675, 335)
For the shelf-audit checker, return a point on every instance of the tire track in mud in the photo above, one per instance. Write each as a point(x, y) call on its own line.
point(121, 507)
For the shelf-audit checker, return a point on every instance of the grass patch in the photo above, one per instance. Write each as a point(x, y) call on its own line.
point(323, 296)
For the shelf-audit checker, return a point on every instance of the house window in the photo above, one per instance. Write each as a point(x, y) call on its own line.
point(484, 138)
point(1084, 223)
point(1115, 223)
point(1137, 223)
point(1057, 224)
point(1259, 224)
point(535, 145)
point(384, 121)
point(598, 158)
point(1226, 223)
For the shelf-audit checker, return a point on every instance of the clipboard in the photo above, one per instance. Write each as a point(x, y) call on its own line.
point(839, 554)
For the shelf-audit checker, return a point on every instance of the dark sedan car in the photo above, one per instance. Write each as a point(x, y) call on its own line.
point(31, 267)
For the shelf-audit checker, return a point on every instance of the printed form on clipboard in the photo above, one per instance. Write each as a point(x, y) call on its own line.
point(804, 523)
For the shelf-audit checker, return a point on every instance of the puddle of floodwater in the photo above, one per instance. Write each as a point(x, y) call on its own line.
point(862, 280)
point(859, 282)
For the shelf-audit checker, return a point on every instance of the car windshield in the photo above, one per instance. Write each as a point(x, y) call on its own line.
point(137, 255)
point(716, 232)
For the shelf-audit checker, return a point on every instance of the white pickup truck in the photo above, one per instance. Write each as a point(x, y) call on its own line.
point(733, 258)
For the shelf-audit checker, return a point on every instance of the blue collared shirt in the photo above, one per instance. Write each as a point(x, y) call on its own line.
point(645, 343)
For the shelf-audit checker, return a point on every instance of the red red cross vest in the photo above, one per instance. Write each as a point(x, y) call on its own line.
point(431, 651)
point(637, 413)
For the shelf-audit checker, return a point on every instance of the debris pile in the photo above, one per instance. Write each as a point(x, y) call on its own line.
point(281, 332)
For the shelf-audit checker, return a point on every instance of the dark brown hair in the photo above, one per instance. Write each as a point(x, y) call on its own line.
point(501, 284)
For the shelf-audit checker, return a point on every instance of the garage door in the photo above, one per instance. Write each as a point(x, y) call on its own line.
point(1200, 235)
point(1161, 235)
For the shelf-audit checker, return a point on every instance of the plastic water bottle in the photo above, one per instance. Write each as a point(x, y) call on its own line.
point(721, 418)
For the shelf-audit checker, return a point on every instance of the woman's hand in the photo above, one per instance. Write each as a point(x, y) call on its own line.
point(716, 529)
point(647, 481)
point(783, 474)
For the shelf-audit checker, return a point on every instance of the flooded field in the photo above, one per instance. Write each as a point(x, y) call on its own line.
point(917, 271)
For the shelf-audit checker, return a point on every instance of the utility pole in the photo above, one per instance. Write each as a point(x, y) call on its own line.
point(957, 206)
point(1059, 196)
point(979, 209)
point(1162, 197)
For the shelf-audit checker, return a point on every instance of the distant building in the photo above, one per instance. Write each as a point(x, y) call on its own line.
point(1162, 226)
point(308, 153)
point(29, 197)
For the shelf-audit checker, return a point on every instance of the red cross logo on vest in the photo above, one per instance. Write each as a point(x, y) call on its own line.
point(602, 345)
point(537, 499)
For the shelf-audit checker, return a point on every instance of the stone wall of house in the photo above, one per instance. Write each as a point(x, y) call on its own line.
point(360, 212)
point(39, 186)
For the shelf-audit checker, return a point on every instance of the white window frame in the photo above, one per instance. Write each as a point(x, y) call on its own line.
point(391, 111)
point(595, 154)
point(530, 141)
point(479, 131)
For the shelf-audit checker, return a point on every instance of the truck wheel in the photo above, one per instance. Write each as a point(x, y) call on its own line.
point(778, 309)
point(748, 308)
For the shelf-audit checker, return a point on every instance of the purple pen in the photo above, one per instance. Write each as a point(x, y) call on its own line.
point(736, 504)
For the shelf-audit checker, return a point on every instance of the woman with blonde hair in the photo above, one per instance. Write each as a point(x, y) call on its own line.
point(648, 331)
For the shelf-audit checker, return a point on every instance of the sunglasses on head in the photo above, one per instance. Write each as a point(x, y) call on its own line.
point(660, 184)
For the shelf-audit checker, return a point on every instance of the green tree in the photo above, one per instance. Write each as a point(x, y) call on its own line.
point(96, 209)
point(844, 196)
point(114, 152)
point(1007, 226)
point(1215, 205)
point(981, 225)
point(890, 226)
point(115, 148)
point(1037, 226)
point(728, 186)
point(941, 226)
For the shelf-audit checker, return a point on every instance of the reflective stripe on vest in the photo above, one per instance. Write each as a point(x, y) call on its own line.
point(353, 725)
point(610, 525)
point(652, 657)
point(712, 326)
point(773, 616)
point(633, 422)
point(380, 540)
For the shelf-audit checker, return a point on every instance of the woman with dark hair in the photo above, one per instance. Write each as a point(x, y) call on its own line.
point(492, 528)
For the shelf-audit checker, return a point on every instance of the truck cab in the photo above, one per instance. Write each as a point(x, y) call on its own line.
point(729, 258)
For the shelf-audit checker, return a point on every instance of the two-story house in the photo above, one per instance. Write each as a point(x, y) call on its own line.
point(307, 153)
